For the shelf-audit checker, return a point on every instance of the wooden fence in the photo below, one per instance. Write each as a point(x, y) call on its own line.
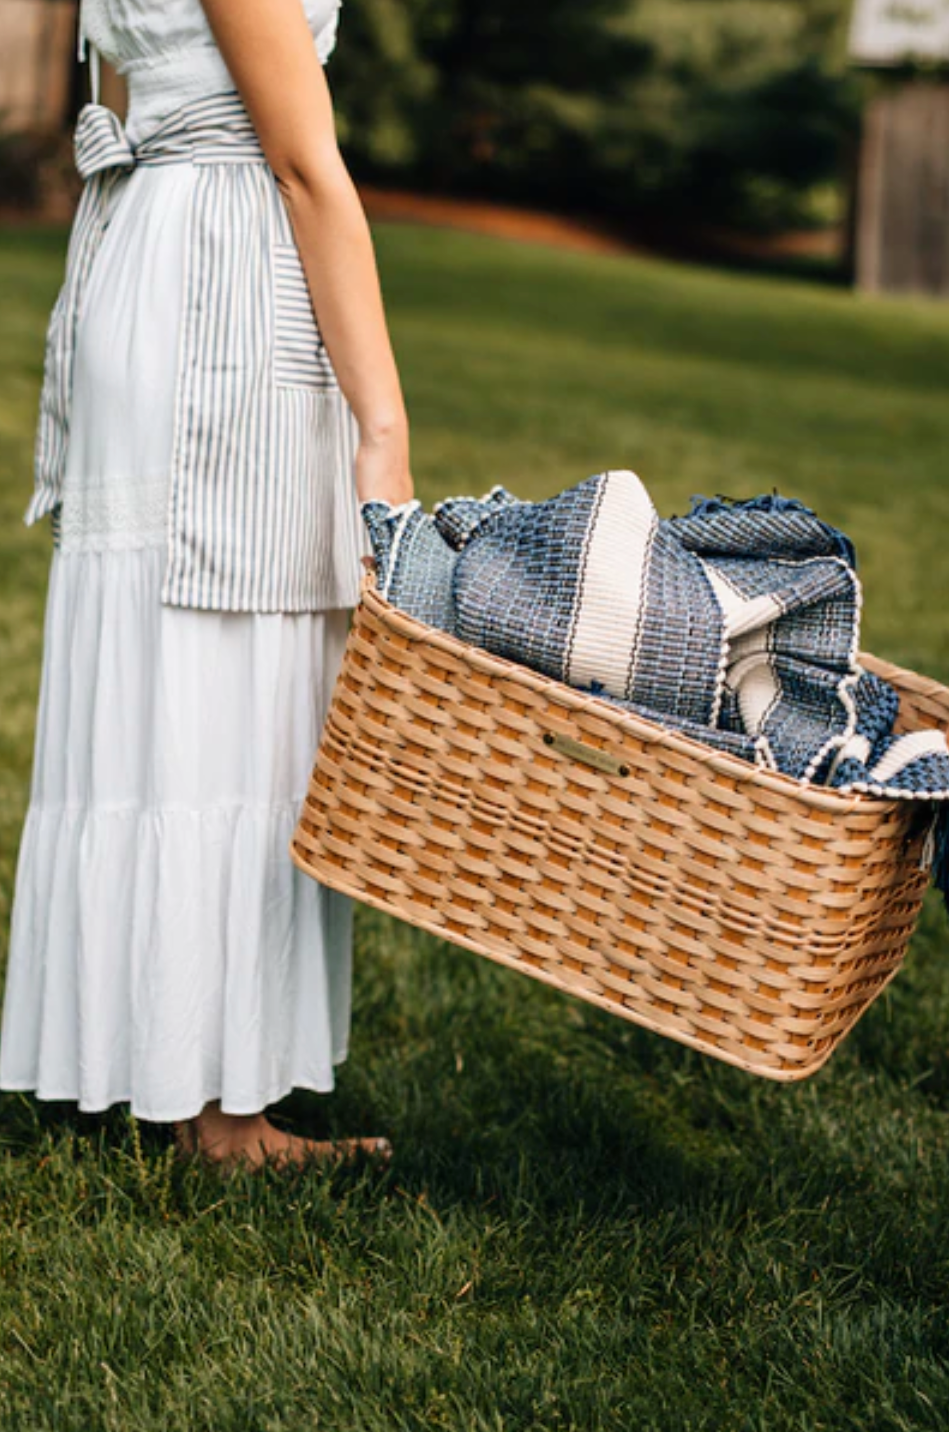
point(903, 205)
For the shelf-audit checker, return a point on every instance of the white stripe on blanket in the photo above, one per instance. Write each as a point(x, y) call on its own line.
point(906, 749)
point(749, 669)
point(741, 613)
point(613, 573)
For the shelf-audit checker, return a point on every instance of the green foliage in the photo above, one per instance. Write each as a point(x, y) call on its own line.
point(383, 85)
point(714, 109)
point(586, 1228)
point(739, 99)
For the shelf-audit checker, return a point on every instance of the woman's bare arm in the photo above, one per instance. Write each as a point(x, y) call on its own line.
point(270, 53)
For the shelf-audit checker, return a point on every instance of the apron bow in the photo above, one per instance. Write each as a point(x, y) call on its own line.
point(101, 142)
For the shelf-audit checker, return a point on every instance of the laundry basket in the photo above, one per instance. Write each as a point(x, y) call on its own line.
point(726, 907)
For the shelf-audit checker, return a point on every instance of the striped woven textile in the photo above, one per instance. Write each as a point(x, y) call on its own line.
point(737, 625)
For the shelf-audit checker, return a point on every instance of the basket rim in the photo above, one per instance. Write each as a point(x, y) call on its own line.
point(650, 732)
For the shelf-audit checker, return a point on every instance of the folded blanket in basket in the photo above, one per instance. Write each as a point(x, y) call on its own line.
point(737, 625)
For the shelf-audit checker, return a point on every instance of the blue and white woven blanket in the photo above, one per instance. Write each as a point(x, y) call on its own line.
point(737, 625)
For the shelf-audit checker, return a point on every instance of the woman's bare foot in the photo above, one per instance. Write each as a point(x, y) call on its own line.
point(250, 1140)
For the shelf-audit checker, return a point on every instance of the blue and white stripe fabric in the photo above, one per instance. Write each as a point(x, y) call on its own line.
point(262, 512)
point(737, 625)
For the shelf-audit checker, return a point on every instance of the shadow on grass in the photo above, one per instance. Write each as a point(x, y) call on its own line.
point(494, 1088)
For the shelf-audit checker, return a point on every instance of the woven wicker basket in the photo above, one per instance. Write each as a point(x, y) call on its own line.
point(720, 905)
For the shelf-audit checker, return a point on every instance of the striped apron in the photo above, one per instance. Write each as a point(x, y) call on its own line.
point(262, 512)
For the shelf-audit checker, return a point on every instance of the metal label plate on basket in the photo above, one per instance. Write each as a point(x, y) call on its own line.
point(589, 755)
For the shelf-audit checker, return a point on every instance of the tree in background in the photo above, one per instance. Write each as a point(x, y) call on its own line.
point(383, 88)
point(720, 110)
point(745, 107)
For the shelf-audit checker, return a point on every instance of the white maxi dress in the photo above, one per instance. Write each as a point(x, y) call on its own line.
point(164, 950)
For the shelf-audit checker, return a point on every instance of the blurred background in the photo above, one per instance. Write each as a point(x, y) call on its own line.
point(752, 129)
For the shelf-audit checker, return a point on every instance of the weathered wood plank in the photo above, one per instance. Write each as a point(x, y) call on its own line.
point(903, 205)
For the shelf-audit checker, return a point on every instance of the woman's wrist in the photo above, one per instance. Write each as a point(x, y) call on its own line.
point(384, 428)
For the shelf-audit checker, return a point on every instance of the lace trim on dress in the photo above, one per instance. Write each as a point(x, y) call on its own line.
point(109, 517)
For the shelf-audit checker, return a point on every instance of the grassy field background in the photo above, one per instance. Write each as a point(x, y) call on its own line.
point(585, 1227)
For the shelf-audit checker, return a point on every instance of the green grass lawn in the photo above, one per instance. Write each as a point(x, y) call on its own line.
point(585, 1227)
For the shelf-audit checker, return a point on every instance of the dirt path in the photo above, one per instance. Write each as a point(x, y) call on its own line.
point(584, 235)
point(500, 220)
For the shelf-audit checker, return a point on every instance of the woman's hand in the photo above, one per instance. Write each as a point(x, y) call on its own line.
point(383, 473)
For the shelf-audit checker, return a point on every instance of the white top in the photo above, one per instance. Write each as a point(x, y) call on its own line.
point(167, 53)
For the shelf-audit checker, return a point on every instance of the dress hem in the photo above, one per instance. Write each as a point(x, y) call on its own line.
point(311, 1086)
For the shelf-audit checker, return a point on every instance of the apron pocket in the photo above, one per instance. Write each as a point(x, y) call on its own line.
point(300, 359)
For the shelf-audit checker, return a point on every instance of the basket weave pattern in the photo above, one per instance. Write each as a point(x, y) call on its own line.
point(678, 887)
